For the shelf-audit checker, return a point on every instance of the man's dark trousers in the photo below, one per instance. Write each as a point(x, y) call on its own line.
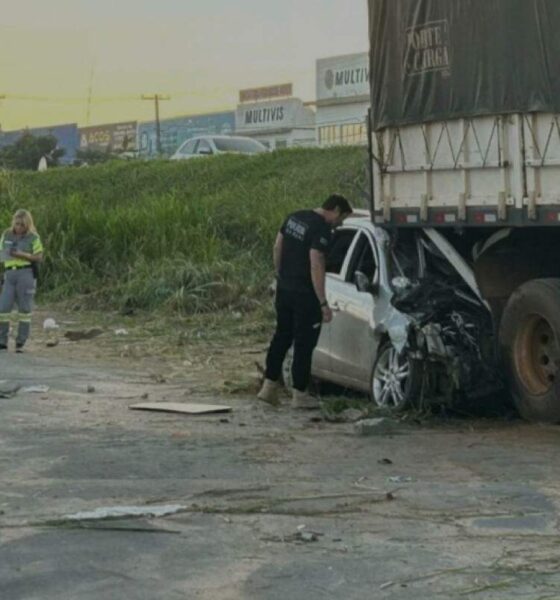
point(298, 321)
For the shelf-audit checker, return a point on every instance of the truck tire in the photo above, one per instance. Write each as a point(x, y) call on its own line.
point(529, 339)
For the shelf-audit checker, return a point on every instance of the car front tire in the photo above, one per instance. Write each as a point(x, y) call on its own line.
point(395, 379)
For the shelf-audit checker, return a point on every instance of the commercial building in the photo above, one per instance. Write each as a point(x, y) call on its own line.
point(112, 137)
point(342, 99)
point(66, 137)
point(176, 130)
point(274, 117)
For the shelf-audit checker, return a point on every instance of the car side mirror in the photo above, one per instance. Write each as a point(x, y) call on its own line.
point(363, 283)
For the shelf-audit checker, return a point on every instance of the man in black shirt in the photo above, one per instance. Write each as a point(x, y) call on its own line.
point(301, 303)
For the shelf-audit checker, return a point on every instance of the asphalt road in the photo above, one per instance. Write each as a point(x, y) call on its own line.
point(266, 504)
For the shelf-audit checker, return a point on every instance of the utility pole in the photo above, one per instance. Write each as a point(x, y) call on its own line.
point(156, 98)
point(90, 94)
point(2, 97)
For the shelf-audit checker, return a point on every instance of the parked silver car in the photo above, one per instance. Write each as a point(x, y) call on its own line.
point(410, 322)
point(210, 145)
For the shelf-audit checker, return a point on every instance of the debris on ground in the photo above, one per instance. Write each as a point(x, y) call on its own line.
point(181, 407)
point(35, 389)
point(50, 324)
point(90, 389)
point(52, 343)
point(7, 389)
point(400, 479)
point(386, 585)
point(84, 334)
point(113, 512)
point(379, 426)
point(302, 535)
point(307, 536)
point(121, 331)
point(385, 461)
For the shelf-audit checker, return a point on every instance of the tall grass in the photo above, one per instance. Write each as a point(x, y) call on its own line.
point(188, 236)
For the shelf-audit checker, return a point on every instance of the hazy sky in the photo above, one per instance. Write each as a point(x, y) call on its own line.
point(201, 52)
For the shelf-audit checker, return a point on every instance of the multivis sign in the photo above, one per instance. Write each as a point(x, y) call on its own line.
point(272, 114)
point(343, 76)
point(259, 116)
point(427, 48)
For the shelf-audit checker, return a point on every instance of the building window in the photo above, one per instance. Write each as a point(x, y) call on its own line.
point(329, 135)
point(353, 134)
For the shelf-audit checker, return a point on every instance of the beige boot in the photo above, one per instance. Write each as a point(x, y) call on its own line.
point(269, 392)
point(304, 400)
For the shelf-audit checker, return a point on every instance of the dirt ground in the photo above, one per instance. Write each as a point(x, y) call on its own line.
point(262, 503)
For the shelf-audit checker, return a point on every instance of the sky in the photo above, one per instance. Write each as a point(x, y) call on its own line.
point(200, 52)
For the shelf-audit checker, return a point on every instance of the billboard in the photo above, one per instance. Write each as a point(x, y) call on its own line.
point(66, 136)
point(343, 77)
point(265, 93)
point(112, 137)
point(440, 59)
point(273, 114)
point(176, 130)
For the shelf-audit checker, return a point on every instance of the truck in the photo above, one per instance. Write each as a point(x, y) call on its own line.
point(465, 141)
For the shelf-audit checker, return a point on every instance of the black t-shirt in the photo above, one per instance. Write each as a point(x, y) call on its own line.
point(302, 231)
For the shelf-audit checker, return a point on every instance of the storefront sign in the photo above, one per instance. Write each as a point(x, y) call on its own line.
point(265, 93)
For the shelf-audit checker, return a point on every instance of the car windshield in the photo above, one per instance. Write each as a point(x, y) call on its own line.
point(415, 257)
point(238, 145)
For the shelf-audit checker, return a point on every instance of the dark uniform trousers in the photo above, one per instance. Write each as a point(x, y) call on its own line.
point(298, 321)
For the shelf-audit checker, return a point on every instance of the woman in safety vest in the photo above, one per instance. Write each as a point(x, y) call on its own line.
point(21, 251)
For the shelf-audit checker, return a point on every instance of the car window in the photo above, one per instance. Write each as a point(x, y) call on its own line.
point(363, 259)
point(204, 147)
point(189, 147)
point(239, 145)
point(338, 248)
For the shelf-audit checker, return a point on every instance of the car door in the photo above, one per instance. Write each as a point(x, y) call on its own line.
point(187, 150)
point(352, 343)
point(335, 260)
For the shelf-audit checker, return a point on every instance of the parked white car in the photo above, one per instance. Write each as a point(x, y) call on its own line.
point(210, 145)
point(409, 321)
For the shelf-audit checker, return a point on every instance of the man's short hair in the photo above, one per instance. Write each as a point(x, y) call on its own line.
point(335, 201)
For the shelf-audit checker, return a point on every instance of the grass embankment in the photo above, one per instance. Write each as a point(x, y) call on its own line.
point(185, 237)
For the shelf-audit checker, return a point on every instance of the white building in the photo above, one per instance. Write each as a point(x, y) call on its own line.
point(342, 99)
point(276, 122)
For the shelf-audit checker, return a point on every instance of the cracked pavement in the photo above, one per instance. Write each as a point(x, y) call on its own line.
point(473, 515)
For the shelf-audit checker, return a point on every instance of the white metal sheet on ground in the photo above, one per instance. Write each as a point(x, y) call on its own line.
point(181, 407)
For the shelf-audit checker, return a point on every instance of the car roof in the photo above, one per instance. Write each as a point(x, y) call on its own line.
point(361, 219)
point(220, 137)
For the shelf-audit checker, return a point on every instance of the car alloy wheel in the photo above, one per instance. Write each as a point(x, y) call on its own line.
point(391, 378)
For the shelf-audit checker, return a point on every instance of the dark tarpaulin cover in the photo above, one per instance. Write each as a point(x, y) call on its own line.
point(441, 59)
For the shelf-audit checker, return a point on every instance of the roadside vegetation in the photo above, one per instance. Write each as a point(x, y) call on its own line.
point(180, 237)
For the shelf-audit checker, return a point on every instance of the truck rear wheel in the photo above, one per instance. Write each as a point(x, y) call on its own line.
point(530, 344)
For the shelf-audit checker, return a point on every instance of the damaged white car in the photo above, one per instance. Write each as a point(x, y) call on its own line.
point(410, 324)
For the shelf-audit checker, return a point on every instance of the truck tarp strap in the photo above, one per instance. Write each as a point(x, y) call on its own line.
point(440, 59)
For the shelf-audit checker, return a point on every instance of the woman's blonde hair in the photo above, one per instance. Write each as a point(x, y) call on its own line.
point(25, 217)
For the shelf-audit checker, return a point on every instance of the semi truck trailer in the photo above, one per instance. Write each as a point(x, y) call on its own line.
point(465, 140)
